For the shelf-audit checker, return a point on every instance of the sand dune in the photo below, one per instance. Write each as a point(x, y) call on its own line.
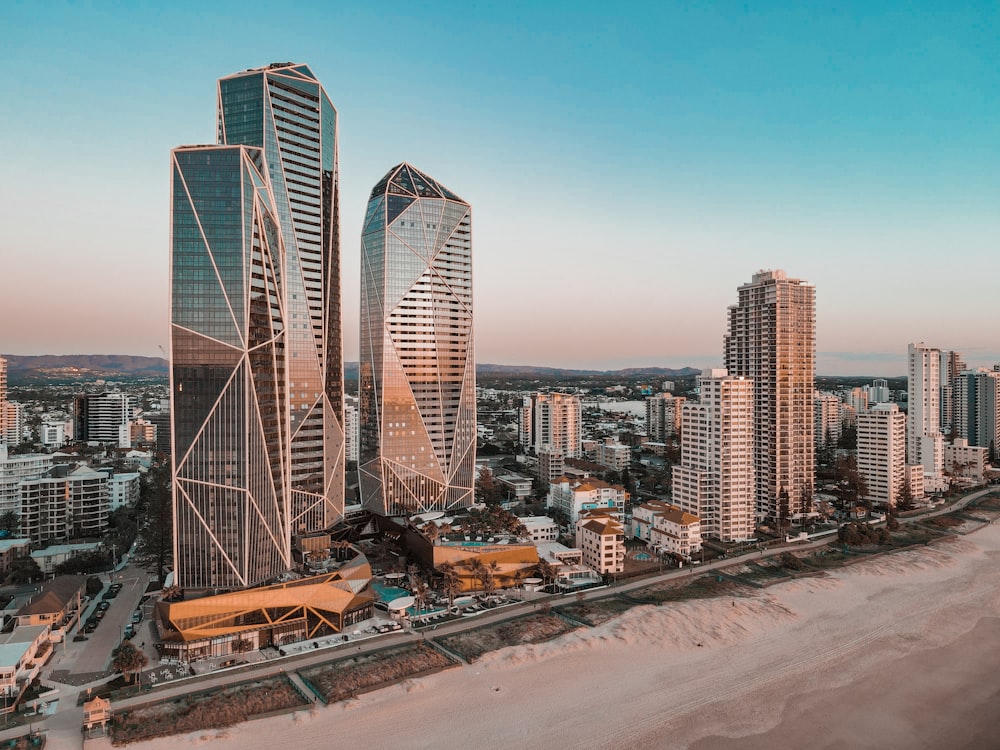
point(880, 654)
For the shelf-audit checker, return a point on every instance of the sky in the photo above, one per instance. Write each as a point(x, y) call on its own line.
point(629, 165)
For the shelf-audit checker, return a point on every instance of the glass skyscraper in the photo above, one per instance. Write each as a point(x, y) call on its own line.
point(227, 371)
point(256, 344)
point(283, 109)
point(417, 368)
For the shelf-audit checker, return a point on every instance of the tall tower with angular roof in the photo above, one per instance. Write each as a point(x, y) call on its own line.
point(283, 109)
point(256, 342)
point(418, 377)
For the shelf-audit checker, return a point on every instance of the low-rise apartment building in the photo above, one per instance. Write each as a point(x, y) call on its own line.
point(600, 536)
point(574, 496)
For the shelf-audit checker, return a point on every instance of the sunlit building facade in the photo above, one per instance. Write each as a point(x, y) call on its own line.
point(417, 364)
point(284, 110)
point(3, 400)
point(230, 467)
point(772, 340)
point(923, 385)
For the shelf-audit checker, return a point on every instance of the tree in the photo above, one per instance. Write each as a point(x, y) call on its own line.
point(853, 490)
point(848, 437)
point(413, 575)
point(420, 591)
point(9, 522)
point(490, 579)
point(432, 532)
point(23, 570)
point(487, 490)
point(546, 571)
point(156, 519)
point(904, 498)
point(519, 575)
point(89, 562)
point(783, 510)
point(451, 581)
point(478, 570)
point(627, 482)
point(128, 660)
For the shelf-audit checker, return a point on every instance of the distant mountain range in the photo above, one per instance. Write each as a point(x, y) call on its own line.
point(110, 366)
point(49, 367)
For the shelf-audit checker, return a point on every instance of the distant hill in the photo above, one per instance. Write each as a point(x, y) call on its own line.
point(85, 366)
point(61, 367)
point(557, 372)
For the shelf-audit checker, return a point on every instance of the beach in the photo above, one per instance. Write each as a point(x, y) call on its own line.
point(899, 651)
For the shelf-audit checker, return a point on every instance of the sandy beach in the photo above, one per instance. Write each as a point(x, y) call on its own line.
point(902, 651)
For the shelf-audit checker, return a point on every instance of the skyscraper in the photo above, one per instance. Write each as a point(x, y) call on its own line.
point(976, 399)
point(557, 421)
point(283, 110)
point(951, 367)
point(923, 386)
point(882, 452)
point(257, 370)
point(3, 400)
point(663, 416)
point(772, 340)
point(417, 371)
point(102, 417)
point(231, 516)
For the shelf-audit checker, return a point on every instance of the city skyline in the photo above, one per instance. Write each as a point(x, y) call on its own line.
point(659, 157)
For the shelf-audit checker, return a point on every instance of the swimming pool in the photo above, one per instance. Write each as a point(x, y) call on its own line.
point(388, 593)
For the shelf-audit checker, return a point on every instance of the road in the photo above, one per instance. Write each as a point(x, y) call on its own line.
point(63, 727)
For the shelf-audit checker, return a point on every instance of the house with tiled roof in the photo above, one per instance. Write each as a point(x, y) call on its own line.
point(667, 528)
point(600, 536)
point(57, 605)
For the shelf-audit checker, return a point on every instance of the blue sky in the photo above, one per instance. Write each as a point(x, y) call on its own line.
point(629, 165)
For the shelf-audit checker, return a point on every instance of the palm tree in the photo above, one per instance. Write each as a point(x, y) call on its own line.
point(432, 532)
point(451, 581)
point(478, 570)
point(546, 571)
point(420, 590)
point(413, 575)
point(519, 575)
point(490, 580)
point(128, 660)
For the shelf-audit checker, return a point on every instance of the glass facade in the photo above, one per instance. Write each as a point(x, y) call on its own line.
point(284, 110)
point(417, 364)
point(228, 366)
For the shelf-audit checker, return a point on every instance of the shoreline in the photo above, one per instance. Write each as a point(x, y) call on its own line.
point(783, 660)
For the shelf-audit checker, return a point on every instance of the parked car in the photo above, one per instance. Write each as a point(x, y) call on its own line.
point(136, 617)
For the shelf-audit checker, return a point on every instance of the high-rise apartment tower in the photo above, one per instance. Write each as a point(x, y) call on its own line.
point(256, 344)
point(283, 110)
point(923, 385)
point(772, 340)
point(417, 364)
point(715, 479)
point(557, 421)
